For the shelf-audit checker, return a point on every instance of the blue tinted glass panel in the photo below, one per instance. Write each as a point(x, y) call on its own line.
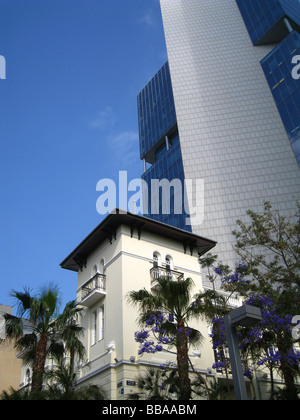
point(278, 69)
point(156, 110)
point(291, 9)
point(262, 16)
point(157, 119)
point(168, 166)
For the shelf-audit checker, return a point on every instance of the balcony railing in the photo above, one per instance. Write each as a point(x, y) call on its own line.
point(93, 289)
point(156, 272)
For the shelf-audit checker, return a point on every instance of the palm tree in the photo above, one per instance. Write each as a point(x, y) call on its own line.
point(39, 329)
point(62, 386)
point(155, 384)
point(173, 298)
point(65, 386)
point(70, 333)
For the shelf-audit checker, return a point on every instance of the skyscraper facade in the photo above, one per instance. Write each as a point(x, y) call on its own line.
point(236, 105)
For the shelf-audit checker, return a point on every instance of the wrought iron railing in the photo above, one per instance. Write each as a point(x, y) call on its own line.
point(156, 272)
point(97, 282)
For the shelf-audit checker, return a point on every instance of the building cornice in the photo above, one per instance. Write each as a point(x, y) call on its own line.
point(107, 230)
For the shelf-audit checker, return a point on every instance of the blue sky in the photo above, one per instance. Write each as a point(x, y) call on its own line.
point(68, 118)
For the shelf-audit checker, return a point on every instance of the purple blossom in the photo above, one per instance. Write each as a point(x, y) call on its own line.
point(241, 266)
point(218, 270)
point(196, 303)
point(260, 301)
point(141, 336)
point(153, 326)
point(235, 277)
point(249, 374)
point(171, 318)
point(165, 340)
point(218, 365)
point(151, 320)
point(218, 332)
point(273, 357)
point(271, 318)
point(293, 357)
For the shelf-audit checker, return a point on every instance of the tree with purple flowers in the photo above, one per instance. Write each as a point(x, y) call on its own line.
point(268, 277)
point(164, 317)
point(258, 344)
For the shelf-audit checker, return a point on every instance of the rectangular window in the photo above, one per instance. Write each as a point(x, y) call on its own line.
point(101, 322)
point(94, 328)
point(97, 325)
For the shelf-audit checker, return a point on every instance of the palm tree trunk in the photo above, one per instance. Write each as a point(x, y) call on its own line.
point(39, 364)
point(183, 363)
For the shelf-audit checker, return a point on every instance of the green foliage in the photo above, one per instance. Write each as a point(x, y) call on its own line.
point(39, 330)
point(269, 272)
point(165, 315)
point(155, 384)
point(269, 244)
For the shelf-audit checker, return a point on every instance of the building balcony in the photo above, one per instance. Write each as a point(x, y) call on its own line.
point(93, 290)
point(156, 272)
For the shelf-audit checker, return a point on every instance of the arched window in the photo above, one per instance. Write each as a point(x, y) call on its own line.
point(101, 266)
point(94, 270)
point(169, 263)
point(156, 259)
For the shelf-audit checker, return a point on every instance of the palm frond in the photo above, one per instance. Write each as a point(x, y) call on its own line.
point(13, 327)
point(23, 301)
point(146, 301)
point(175, 295)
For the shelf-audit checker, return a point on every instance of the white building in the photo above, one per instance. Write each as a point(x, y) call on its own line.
point(126, 252)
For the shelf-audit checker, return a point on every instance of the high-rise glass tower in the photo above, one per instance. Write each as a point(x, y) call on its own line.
point(236, 108)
